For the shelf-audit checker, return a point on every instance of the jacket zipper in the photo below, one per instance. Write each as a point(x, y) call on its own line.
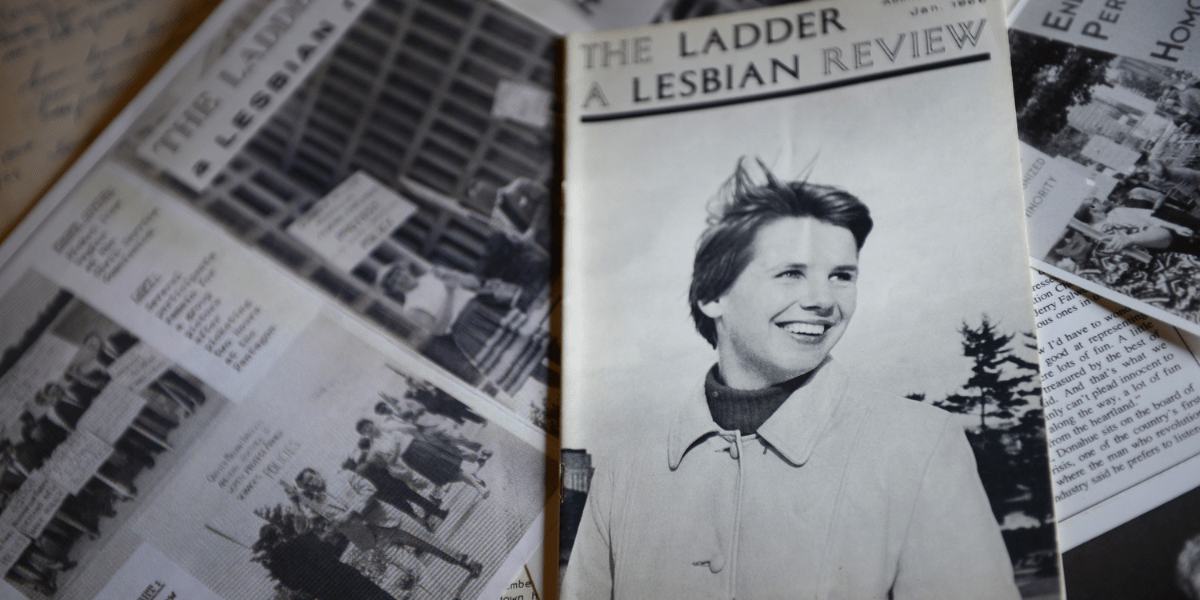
point(737, 516)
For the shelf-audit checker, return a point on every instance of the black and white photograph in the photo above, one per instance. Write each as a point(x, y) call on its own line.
point(778, 265)
point(93, 422)
point(1154, 556)
point(447, 107)
point(1129, 130)
point(352, 474)
point(800, 358)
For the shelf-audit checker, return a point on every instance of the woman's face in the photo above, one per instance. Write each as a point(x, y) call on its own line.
point(49, 394)
point(399, 278)
point(310, 481)
point(1099, 209)
point(1075, 247)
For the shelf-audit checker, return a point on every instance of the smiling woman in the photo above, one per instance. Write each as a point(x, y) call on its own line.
point(784, 478)
point(773, 284)
point(790, 305)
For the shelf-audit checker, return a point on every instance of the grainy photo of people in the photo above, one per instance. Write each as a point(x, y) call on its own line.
point(800, 347)
point(445, 107)
point(411, 457)
point(1155, 555)
point(93, 420)
point(1129, 128)
point(356, 476)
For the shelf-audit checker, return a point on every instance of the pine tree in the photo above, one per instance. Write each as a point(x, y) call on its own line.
point(992, 390)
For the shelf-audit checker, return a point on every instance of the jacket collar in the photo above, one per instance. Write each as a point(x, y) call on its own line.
point(793, 430)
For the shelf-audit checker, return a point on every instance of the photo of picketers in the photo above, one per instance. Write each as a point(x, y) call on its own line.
point(91, 419)
point(402, 515)
point(447, 107)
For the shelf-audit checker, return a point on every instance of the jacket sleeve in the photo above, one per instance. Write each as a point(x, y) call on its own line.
point(953, 548)
point(590, 568)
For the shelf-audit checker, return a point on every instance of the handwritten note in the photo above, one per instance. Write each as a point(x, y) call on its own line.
point(63, 65)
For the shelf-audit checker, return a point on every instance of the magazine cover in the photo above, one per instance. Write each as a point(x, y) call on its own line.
point(611, 14)
point(1107, 106)
point(798, 330)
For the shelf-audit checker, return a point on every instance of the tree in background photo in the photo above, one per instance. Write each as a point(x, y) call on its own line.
point(1003, 398)
point(1049, 77)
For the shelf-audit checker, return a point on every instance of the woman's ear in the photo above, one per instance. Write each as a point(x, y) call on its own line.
point(712, 308)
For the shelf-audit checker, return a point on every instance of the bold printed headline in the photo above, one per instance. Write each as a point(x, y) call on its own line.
point(237, 95)
point(1099, 19)
point(718, 71)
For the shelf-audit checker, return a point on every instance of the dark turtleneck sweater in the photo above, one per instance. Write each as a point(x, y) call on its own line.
point(745, 410)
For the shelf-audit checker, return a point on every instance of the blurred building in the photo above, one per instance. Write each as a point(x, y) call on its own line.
point(577, 473)
point(1143, 70)
point(1122, 115)
point(1178, 148)
point(577, 470)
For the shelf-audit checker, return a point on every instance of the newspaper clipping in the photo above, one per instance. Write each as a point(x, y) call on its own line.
point(1104, 105)
point(1108, 105)
point(204, 395)
point(93, 420)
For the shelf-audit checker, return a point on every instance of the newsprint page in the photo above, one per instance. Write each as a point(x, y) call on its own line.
point(737, 188)
point(283, 331)
point(1107, 103)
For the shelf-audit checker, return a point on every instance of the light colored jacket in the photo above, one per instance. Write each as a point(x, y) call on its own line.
point(842, 494)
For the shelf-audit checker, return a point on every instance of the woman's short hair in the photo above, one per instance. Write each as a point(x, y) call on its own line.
point(310, 480)
point(363, 426)
point(1187, 568)
point(742, 208)
point(1084, 212)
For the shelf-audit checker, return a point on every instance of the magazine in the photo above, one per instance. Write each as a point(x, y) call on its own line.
point(1102, 99)
point(612, 14)
point(721, 178)
point(231, 373)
